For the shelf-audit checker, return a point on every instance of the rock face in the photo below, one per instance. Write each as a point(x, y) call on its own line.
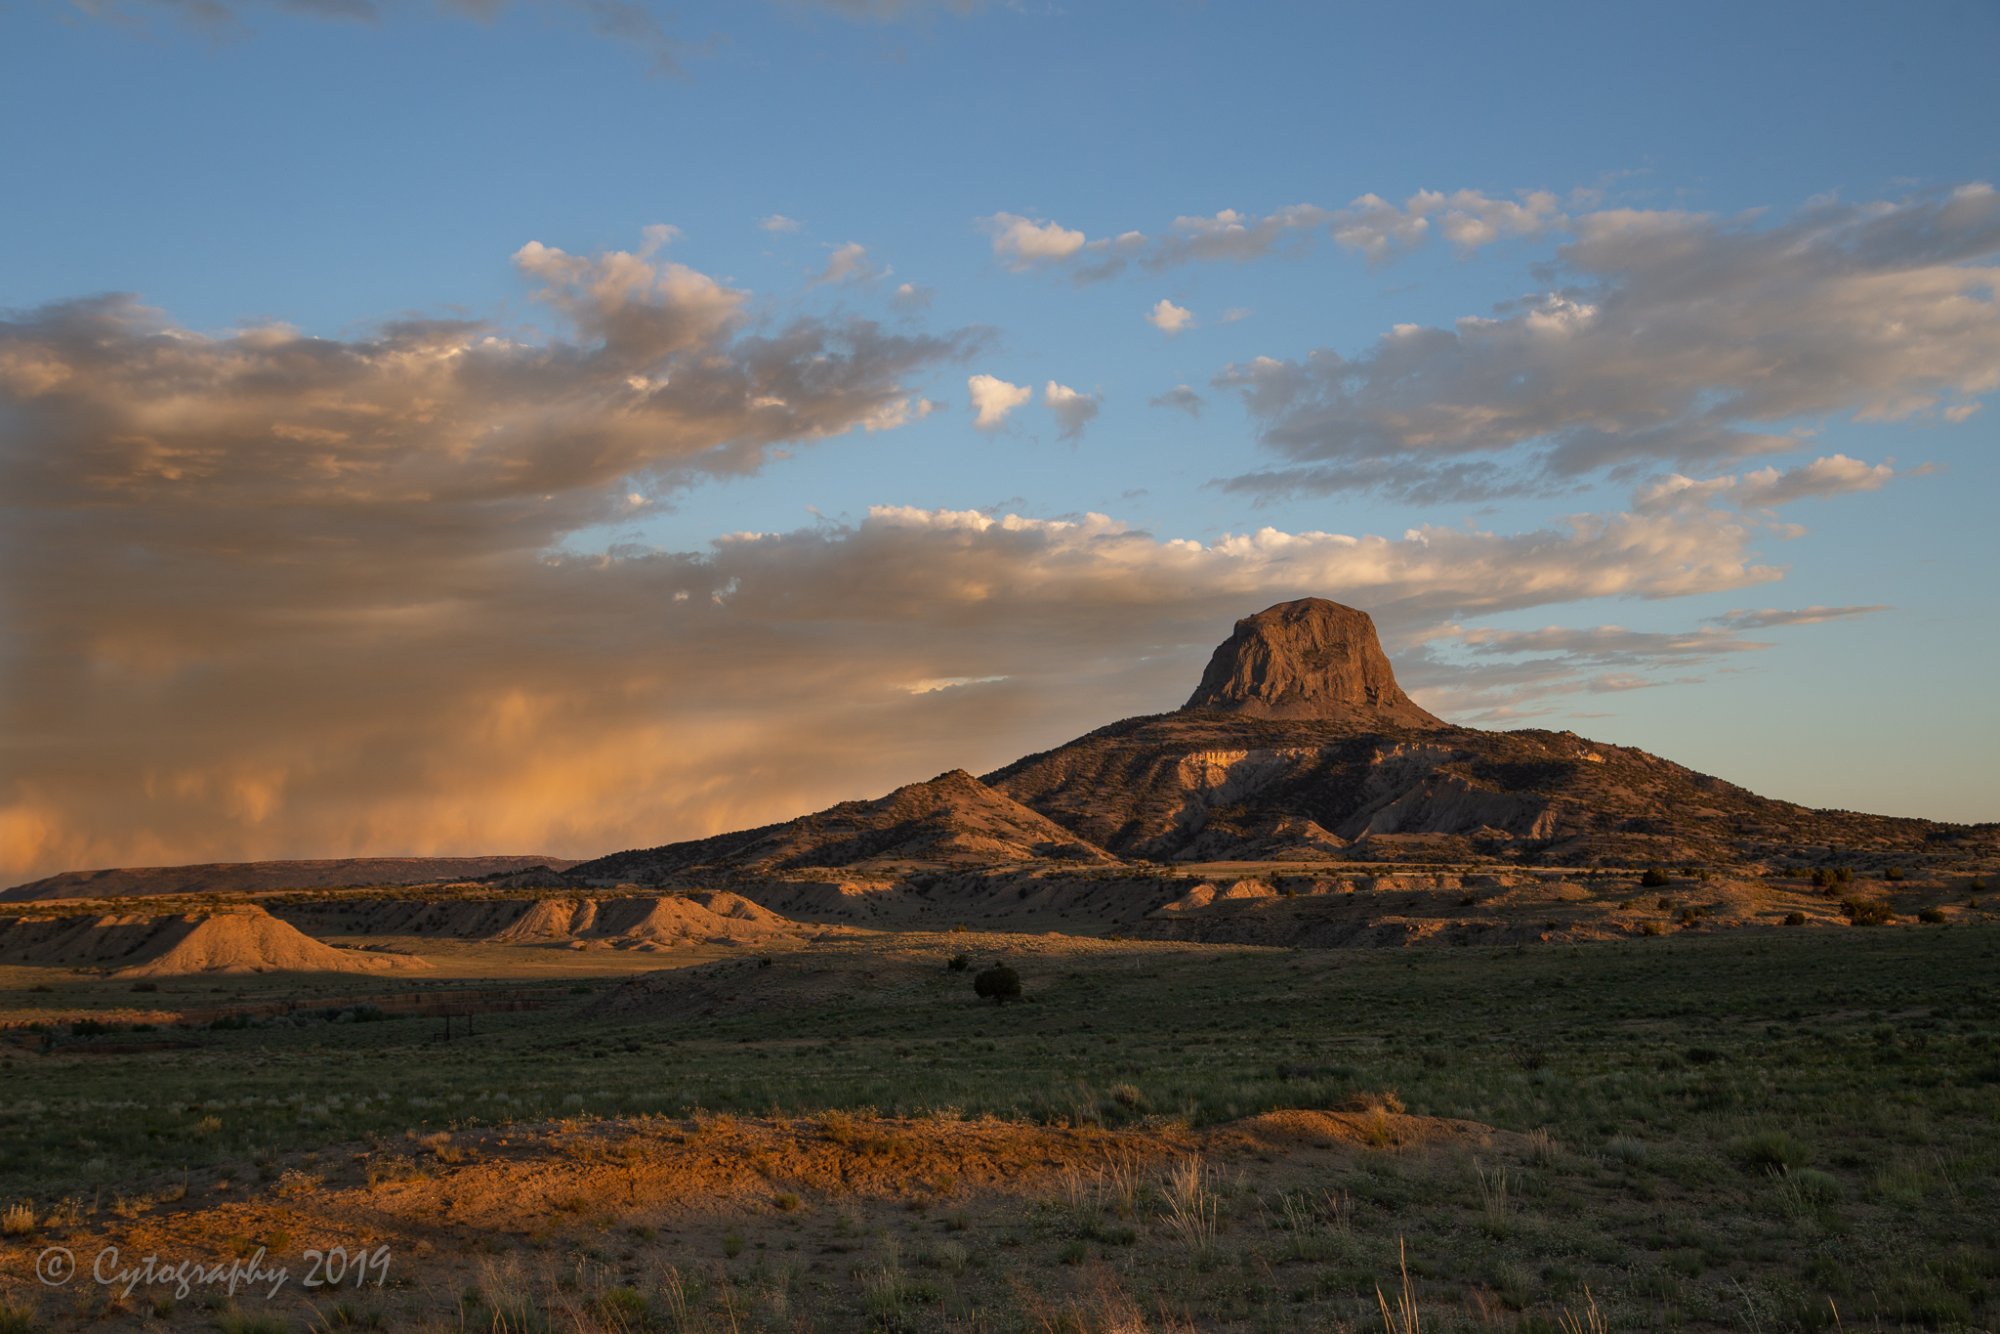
point(1307, 659)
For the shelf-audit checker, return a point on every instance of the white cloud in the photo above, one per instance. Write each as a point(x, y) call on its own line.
point(1073, 410)
point(1833, 475)
point(1671, 338)
point(778, 223)
point(1169, 318)
point(993, 398)
point(909, 297)
point(850, 263)
point(1023, 243)
point(1468, 219)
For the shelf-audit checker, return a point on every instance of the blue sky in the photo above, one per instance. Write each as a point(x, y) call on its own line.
point(329, 167)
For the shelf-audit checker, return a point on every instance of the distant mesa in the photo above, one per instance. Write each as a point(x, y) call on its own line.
point(1307, 659)
point(252, 877)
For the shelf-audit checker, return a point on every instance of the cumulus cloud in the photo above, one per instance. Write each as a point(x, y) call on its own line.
point(1181, 398)
point(247, 574)
point(1023, 243)
point(1073, 409)
point(909, 297)
point(1768, 488)
point(1673, 338)
point(1230, 235)
point(993, 398)
point(777, 223)
point(850, 263)
point(1169, 318)
point(1468, 219)
point(272, 595)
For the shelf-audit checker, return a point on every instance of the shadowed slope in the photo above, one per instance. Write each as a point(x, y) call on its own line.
point(952, 821)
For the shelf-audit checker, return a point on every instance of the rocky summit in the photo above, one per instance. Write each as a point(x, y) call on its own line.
point(1307, 659)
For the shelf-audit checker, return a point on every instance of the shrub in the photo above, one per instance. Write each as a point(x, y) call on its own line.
point(1931, 915)
point(1795, 919)
point(999, 982)
point(1977, 884)
point(1867, 912)
point(1893, 873)
point(1653, 878)
point(958, 963)
point(1770, 1151)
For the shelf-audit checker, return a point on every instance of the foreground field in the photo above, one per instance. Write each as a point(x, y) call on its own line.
point(1755, 1129)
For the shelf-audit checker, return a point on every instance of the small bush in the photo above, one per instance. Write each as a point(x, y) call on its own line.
point(1654, 878)
point(1867, 912)
point(958, 963)
point(1770, 1151)
point(1795, 919)
point(1930, 915)
point(1893, 873)
point(1000, 983)
point(145, 986)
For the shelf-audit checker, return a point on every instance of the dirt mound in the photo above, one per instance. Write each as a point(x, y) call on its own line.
point(1306, 659)
point(703, 917)
point(253, 941)
point(238, 940)
point(241, 877)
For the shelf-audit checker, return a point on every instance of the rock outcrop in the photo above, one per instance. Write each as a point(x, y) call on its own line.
point(1307, 659)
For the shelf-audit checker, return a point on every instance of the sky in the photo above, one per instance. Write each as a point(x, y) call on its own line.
point(459, 426)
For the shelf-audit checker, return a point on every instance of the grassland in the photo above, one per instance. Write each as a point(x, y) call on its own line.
point(1755, 1129)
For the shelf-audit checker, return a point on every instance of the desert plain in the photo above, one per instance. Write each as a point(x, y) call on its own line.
point(1316, 1013)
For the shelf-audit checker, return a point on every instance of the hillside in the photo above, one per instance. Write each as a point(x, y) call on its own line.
point(954, 821)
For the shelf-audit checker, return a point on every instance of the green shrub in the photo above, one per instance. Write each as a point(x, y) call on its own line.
point(999, 982)
point(1867, 912)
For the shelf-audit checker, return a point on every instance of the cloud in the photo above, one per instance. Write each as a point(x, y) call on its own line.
point(850, 263)
point(993, 398)
point(272, 595)
point(1233, 236)
point(1073, 410)
point(1768, 488)
point(1181, 398)
point(1468, 219)
point(235, 565)
point(910, 298)
point(1770, 618)
point(1169, 318)
point(1669, 338)
point(1022, 243)
point(777, 223)
point(641, 24)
